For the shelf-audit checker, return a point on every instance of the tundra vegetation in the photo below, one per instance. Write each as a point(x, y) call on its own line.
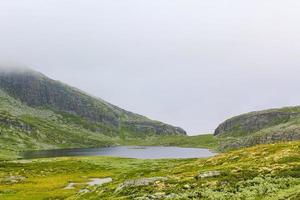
point(270, 171)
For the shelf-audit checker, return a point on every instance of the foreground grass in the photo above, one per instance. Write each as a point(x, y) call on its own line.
point(262, 172)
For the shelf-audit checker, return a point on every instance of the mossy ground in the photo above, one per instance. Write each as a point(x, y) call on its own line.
point(263, 172)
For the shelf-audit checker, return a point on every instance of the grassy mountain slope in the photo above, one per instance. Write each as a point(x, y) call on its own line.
point(39, 113)
point(265, 172)
point(23, 127)
point(37, 90)
point(261, 127)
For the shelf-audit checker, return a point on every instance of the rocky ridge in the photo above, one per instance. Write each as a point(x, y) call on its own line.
point(260, 127)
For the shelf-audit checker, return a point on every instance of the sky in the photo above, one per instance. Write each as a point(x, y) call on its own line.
point(190, 63)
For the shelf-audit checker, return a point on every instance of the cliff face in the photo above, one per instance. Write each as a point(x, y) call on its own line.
point(260, 127)
point(38, 91)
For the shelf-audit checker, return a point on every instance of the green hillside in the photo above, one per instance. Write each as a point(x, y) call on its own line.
point(37, 112)
point(260, 127)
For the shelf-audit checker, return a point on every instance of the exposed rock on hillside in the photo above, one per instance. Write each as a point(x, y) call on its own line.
point(260, 127)
point(255, 121)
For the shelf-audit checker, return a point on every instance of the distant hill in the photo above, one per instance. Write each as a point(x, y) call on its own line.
point(38, 112)
point(260, 127)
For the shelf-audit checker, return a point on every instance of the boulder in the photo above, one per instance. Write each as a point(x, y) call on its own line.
point(209, 174)
point(140, 182)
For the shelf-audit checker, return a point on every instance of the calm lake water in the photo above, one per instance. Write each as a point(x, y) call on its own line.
point(124, 151)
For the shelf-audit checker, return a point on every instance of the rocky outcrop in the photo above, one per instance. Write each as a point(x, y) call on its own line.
point(12, 179)
point(37, 90)
point(159, 196)
point(147, 127)
point(209, 174)
point(271, 135)
point(262, 127)
point(140, 182)
point(255, 121)
point(8, 121)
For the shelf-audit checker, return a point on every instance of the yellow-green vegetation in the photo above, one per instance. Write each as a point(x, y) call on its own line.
point(199, 141)
point(262, 172)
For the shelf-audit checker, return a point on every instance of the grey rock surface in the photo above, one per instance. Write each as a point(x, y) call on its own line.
point(140, 182)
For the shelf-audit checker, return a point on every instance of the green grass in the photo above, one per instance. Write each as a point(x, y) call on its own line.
point(262, 172)
point(199, 141)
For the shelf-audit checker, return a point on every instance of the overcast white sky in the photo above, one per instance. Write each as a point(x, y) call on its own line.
point(191, 63)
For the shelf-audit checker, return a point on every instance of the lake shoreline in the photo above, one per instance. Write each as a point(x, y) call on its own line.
point(137, 152)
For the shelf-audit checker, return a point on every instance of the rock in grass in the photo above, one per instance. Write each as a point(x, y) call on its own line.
point(158, 196)
point(209, 174)
point(12, 179)
point(140, 182)
point(187, 187)
point(172, 196)
point(84, 191)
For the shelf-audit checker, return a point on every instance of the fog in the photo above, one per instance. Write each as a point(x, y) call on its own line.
point(191, 63)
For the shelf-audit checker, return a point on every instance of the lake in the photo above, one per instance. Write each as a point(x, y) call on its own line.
point(152, 152)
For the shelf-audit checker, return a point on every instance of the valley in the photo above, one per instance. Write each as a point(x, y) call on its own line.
point(257, 153)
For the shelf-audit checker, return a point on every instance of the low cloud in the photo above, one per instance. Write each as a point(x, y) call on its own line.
point(188, 63)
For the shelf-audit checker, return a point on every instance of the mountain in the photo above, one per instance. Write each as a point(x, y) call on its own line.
point(39, 110)
point(260, 127)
